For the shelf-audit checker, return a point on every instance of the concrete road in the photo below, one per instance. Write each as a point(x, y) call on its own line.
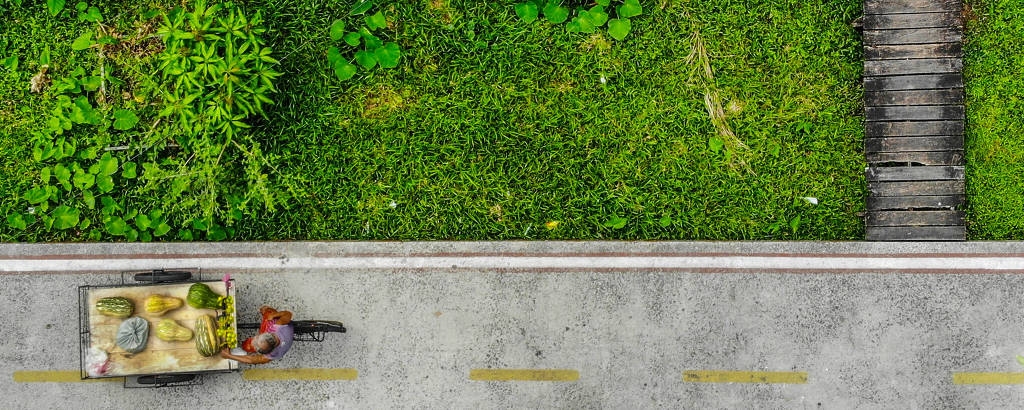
point(580, 325)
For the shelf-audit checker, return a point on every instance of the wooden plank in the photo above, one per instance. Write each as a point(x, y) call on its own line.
point(917, 157)
point(880, 203)
point(914, 82)
point(913, 36)
point(917, 20)
point(913, 129)
point(914, 113)
point(911, 6)
point(914, 173)
point(941, 50)
point(916, 66)
point(914, 218)
point(899, 144)
point(916, 188)
point(916, 233)
point(914, 97)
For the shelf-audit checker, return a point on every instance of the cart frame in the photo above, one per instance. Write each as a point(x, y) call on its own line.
point(151, 278)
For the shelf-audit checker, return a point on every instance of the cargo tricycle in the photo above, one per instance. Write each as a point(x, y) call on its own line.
point(166, 363)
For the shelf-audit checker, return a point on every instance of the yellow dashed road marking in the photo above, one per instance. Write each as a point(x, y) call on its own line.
point(732, 376)
point(300, 374)
point(526, 375)
point(988, 378)
point(56, 376)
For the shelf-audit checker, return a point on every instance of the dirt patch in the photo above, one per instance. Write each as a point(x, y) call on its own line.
point(442, 9)
point(40, 82)
point(496, 212)
point(385, 100)
point(968, 15)
point(597, 42)
point(563, 86)
point(139, 45)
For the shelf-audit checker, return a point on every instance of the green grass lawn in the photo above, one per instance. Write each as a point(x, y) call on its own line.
point(994, 63)
point(710, 121)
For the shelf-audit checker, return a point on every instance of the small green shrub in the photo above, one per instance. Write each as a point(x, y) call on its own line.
point(216, 75)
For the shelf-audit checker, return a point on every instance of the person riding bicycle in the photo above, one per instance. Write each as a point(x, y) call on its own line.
point(272, 342)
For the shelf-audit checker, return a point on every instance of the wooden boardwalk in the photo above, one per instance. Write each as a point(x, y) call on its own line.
point(914, 120)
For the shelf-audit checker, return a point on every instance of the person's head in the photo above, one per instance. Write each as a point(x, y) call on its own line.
point(265, 343)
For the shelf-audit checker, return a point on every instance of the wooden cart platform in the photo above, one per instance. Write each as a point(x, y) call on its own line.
point(159, 356)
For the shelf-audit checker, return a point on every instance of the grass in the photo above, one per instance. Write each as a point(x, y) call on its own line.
point(715, 116)
point(994, 61)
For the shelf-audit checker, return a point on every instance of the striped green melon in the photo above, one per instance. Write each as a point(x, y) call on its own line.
point(206, 336)
point(115, 306)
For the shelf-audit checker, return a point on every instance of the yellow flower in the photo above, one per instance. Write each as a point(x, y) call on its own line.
point(551, 225)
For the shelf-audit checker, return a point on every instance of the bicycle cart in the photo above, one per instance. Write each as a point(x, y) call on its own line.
point(163, 363)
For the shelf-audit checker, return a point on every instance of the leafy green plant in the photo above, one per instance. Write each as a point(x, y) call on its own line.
point(214, 75)
point(216, 68)
point(55, 6)
point(88, 13)
point(217, 73)
point(10, 62)
point(77, 187)
point(375, 51)
point(584, 20)
point(616, 222)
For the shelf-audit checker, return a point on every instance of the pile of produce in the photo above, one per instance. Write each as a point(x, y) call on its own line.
point(210, 334)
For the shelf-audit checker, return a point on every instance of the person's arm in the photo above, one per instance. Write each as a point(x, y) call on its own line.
point(282, 318)
point(248, 359)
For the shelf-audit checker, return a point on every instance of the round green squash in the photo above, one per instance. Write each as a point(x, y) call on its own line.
point(201, 296)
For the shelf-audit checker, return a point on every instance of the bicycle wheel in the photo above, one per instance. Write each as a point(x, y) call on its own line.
point(312, 326)
point(161, 276)
point(165, 379)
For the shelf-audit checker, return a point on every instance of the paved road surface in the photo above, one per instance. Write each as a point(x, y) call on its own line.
point(614, 325)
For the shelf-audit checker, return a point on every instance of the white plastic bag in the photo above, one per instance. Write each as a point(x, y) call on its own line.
point(97, 362)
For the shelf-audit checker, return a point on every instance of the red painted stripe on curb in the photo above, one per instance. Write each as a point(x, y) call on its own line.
point(791, 271)
point(512, 255)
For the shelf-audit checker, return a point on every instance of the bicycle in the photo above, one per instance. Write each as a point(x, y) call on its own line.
point(305, 330)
